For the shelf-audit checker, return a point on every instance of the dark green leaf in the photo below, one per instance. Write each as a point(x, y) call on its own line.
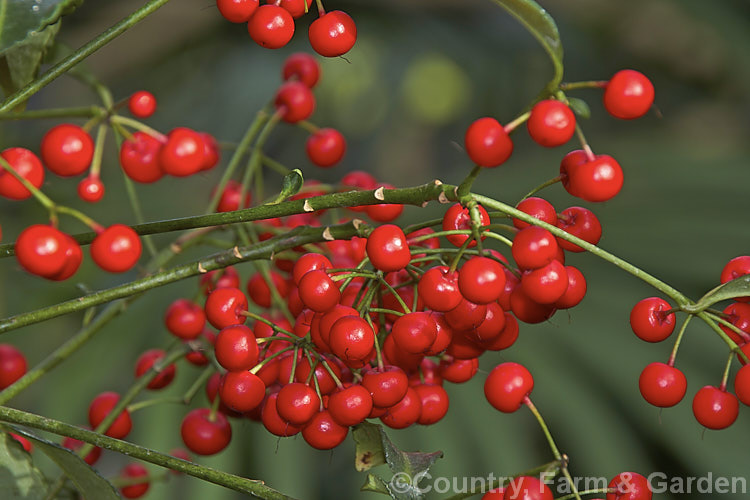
point(87, 481)
point(290, 185)
point(739, 287)
point(19, 479)
point(368, 451)
point(375, 484)
point(579, 107)
point(20, 19)
point(19, 65)
point(540, 24)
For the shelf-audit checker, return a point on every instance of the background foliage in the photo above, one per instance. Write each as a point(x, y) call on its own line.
point(420, 73)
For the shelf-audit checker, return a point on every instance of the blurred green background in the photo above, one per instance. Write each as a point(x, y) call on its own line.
point(419, 74)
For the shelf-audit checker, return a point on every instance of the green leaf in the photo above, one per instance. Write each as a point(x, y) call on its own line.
point(290, 185)
point(20, 19)
point(19, 479)
point(739, 287)
point(579, 107)
point(19, 65)
point(375, 484)
point(539, 23)
point(87, 480)
point(368, 452)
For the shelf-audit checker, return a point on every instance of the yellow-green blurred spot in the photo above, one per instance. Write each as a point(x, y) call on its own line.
point(435, 89)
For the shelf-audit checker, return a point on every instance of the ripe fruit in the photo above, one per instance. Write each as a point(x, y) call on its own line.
point(439, 289)
point(628, 94)
point(318, 291)
point(271, 26)
point(741, 384)
point(295, 101)
point(481, 280)
point(297, 8)
point(325, 147)
point(323, 433)
point(534, 247)
point(74, 444)
point(231, 198)
point(547, 284)
point(183, 154)
point(101, 406)
point(662, 385)
point(139, 158)
point(303, 67)
point(507, 385)
point(144, 363)
point(650, 321)
point(351, 339)
point(457, 218)
point(527, 488)
point(241, 391)
point(236, 348)
point(715, 408)
point(116, 249)
point(142, 104)
point(387, 386)
point(297, 403)
point(739, 266)
point(134, 471)
point(184, 319)
point(629, 486)
point(12, 365)
point(404, 413)
point(40, 249)
point(435, 403)
point(579, 222)
point(259, 290)
point(551, 123)
point(224, 307)
point(332, 34)
point(351, 405)
point(205, 434)
point(91, 189)
point(237, 11)
point(596, 180)
point(67, 150)
point(414, 332)
point(27, 165)
point(387, 248)
point(487, 143)
point(538, 208)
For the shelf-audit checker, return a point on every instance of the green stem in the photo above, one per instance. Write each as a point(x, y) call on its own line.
point(231, 481)
point(42, 198)
point(590, 84)
point(79, 55)
point(141, 127)
point(77, 112)
point(725, 375)
point(96, 161)
point(677, 342)
point(541, 186)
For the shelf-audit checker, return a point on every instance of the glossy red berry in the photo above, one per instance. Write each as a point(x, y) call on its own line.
point(224, 307)
point(259, 290)
point(142, 104)
point(309, 262)
point(237, 11)
point(715, 408)
point(351, 405)
point(41, 249)
point(273, 422)
point(538, 208)
point(662, 385)
point(318, 291)
point(597, 180)
point(333, 34)
point(27, 165)
point(404, 413)
point(458, 371)
point(735, 268)
point(146, 361)
point(297, 403)
point(551, 123)
point(384, 212)
point(741, 384)
point(231, 198)
point(297, 8)
point(547, 284)
point(534, 247)
point(435, 403)
point(494, 494)
point(481, 280)
point(294, 101)
point(439, 289)
point(387, 248)
point(101, 406)
point(576, 290)
point(322, 432)
point(241, 391)
point(351, 339)
point(650, 321)
point(487, 143)
point(507, 385)
point(325, 147)
point(568, 166)
point(303, 67)
point(387, 386)
point(738, 314)
point(579, 222)
point(139, 158)
point(67, 150)
point(527, 310)
point(183, 154)
point(456, 218)
point(629, 486)
point(91, 189)
point(205, 434)
point(116, 249)
point(628, 94)
point(527, 488)
point(185, 319)
point(271, 26)
point(12, 365)
point(415, 332)
point(130, 472)
point(236, 348)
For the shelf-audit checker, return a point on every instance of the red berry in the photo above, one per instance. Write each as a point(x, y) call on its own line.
point(303, 67)
point(220, 278)
point(507, 385)
point(534, 247)
point(458, 371)
point(139, 158)
point(273, 422)
point(439, 289)
point(142, 104)
point(318, 291)
point(629, 486)
point(297, 403)
point(323, 433)
point(332, 34)
point(547, 284)
point(231, 198)
point(271, 26)
point(351, 405)
point(351, 339)
point(662, 385)
point(236, 348)
point(384, 212)
point(741, 384)
point(596, 180)
point(134, 471)
point(527, 488)
point(487, 143)
point(27, 165)
point(628, 95)
point(568, 166)
point(74, 444)
point(387, 386)
point(259, 291)
point(185, 319)
point(458, 218)
point(415, 332)
point(527, 310)
point(241, 391)
point(466, 315)
point(295, 101)
point(650, 321)
point(435, 403)
point(183, 154)
point(309, 262)
point(204, 435)
point(738, 314)
point(481, 280)
point(41, 250)
point(494, 494)
point(576, 289)
point(224, 307)
point(116, 249)
point(538, 208)
point(237, 11)
point(91, 189)
point(387, 248)
point(580, 222)
point(297, 8)
point(325, 147)
point(551, 123)
point(404, 413)
point(735, 268)
point(67, 150)
point(715, 408)
point(101, 406)
point(12, 365)
point(146, 361)
point(25, 443)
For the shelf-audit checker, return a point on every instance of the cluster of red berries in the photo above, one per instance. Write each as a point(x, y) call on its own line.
point(663, 385)
point(272, 24)
point(624, 486)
